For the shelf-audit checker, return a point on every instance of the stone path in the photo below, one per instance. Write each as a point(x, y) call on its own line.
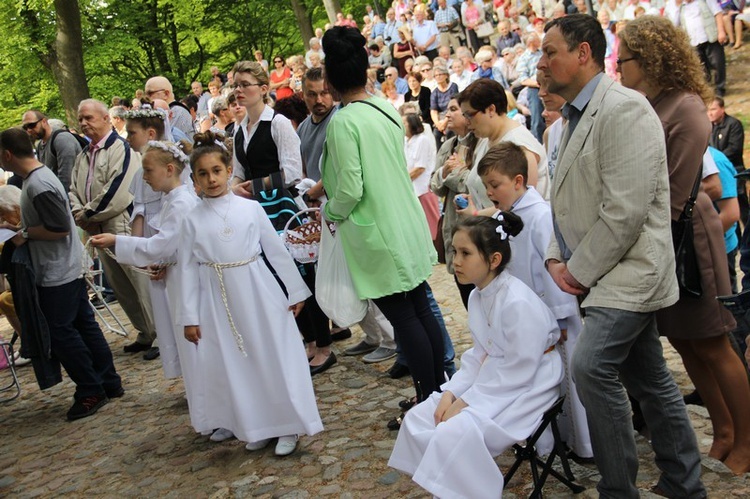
point(143, 446)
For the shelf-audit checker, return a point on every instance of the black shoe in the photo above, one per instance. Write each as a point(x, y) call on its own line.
point(395, 423)
point(151, 354)
point(580, 460)
point(407, 404)
point(99, 304)
point(344, 334)
point(86, 406)
point(330, 361)
point(693, 398)
point(136, 347)
point(398, 370)
point(116, 393)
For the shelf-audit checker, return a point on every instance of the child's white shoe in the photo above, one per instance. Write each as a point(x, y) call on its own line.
point(221, 434)
point(286, 445)
point(260, 444)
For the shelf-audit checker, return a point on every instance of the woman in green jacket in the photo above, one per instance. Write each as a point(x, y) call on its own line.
point(383, 230)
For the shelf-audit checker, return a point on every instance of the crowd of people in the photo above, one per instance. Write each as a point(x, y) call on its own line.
point(574, 170)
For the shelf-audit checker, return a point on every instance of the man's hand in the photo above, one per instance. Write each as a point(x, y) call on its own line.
point(244, 189)
point(564, 279)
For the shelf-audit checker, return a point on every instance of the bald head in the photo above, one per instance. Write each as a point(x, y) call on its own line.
point(159, 87)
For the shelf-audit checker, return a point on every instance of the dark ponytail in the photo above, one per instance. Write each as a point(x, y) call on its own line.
point(484, 233)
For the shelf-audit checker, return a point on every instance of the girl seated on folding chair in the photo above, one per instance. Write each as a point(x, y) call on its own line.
point(507, 380)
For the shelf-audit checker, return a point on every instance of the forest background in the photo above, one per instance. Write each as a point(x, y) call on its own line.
point(54, 53)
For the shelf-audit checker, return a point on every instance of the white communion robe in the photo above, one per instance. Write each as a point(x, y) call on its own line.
point(160, 246)
point(507, 380)
point(527, 263)
point(268, 392)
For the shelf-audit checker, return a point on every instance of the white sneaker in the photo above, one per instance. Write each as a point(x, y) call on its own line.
point(286, 445)
point(221, 434)
point(19, 361)
point(260, 444)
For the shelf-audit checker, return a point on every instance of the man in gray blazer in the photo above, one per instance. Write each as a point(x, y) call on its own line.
point(613, 249)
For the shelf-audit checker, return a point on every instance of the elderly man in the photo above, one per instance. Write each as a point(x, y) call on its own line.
point(526, 67)
point(57, 149)
point(390, 31)
point(613, 249)
point(401, 85)
point(447, 21)
point(48, 232)
point(100, 197)
point(424, 33)
point(197, 89)
point(159, 87)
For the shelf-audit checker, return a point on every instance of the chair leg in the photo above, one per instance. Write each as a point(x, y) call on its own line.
point(7, 351)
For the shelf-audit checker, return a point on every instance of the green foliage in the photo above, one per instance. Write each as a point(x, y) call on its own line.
point(128, 41)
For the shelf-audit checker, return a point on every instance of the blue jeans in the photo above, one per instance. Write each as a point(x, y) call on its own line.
point(76, 339)
point(620, 350)
point(448, 364)
point(536, 106)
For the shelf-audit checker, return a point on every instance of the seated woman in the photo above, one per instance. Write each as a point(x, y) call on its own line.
point(507, 380)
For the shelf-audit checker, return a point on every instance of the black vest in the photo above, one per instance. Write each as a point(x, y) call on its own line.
point(261, 158)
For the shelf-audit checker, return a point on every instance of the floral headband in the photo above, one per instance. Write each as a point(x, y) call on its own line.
point(145, 112)
point(174, 149)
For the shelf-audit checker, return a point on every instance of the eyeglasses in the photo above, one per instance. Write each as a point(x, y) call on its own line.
point(152, 92)
point(29, 126)
point(277, 61)
point(620, 61)
point(244, 84)
point(469, 115)
point(426, 70)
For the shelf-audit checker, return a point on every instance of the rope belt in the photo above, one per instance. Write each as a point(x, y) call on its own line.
point(219, 268)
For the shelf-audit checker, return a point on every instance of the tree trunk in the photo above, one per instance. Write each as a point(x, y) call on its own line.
point(305, 26)
point(67, 67)
point(332, 8)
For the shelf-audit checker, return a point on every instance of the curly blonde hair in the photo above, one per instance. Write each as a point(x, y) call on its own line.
point(665, 55)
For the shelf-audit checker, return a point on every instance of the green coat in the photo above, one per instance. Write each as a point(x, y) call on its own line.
point(384, 231)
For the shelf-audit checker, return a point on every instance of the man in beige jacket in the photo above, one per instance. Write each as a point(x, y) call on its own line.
point(100, 197)
point(613, 248)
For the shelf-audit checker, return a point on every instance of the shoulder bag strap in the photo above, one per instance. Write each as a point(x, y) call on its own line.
point(376, 107)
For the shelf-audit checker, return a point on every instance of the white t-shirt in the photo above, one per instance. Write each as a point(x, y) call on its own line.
point(420, 152)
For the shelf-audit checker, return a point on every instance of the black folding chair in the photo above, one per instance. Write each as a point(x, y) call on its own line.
point(528, 453)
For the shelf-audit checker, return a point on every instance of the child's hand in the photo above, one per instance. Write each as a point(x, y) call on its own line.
point(454, 409)
point(103, 240)
point(193, 334)
point(244, 189)
point(297, 308)
point(445, 402)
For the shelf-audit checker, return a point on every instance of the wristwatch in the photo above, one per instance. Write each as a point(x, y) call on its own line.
point(24, 233)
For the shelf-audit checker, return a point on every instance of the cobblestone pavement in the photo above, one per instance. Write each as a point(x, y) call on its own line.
point(142, 444)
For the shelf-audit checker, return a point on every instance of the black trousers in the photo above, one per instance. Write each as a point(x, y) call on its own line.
point(714, 62)
point(419, 336)
point(311, 321)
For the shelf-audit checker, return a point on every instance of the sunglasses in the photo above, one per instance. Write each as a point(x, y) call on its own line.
point(29, 126)
point(278, 61)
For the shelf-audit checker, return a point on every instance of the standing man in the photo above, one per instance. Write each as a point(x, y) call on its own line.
point(613, 249)
point(56, 149)
point(159, 87)
point(48, 229)
point(197, 88)
point(424, 33)
point(526, 67)
point(100, 197)
point(728, 136)
point(390, 31)
point(703, 20)
point(447, 20)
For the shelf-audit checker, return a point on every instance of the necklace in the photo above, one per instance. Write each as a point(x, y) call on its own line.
point(226, 232)
point(488, 313)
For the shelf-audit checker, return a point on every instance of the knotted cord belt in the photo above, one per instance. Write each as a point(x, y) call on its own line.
point(219, 268)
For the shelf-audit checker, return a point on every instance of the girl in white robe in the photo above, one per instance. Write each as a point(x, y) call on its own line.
point(163, 167)
point(255, 379)
point(503, 172)
point(507, 379)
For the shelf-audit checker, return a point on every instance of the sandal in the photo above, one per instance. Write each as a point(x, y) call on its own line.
point(407, 404)
point(395, 423)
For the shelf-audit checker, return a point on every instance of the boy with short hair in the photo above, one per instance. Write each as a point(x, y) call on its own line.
point(504, 172)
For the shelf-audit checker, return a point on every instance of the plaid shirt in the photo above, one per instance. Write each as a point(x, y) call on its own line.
point(445, 16)
point(526, 65)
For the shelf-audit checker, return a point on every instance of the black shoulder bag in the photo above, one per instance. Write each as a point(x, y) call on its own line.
point(686, 260)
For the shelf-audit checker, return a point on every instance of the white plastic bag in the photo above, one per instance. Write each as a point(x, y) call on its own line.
point(334, 288)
